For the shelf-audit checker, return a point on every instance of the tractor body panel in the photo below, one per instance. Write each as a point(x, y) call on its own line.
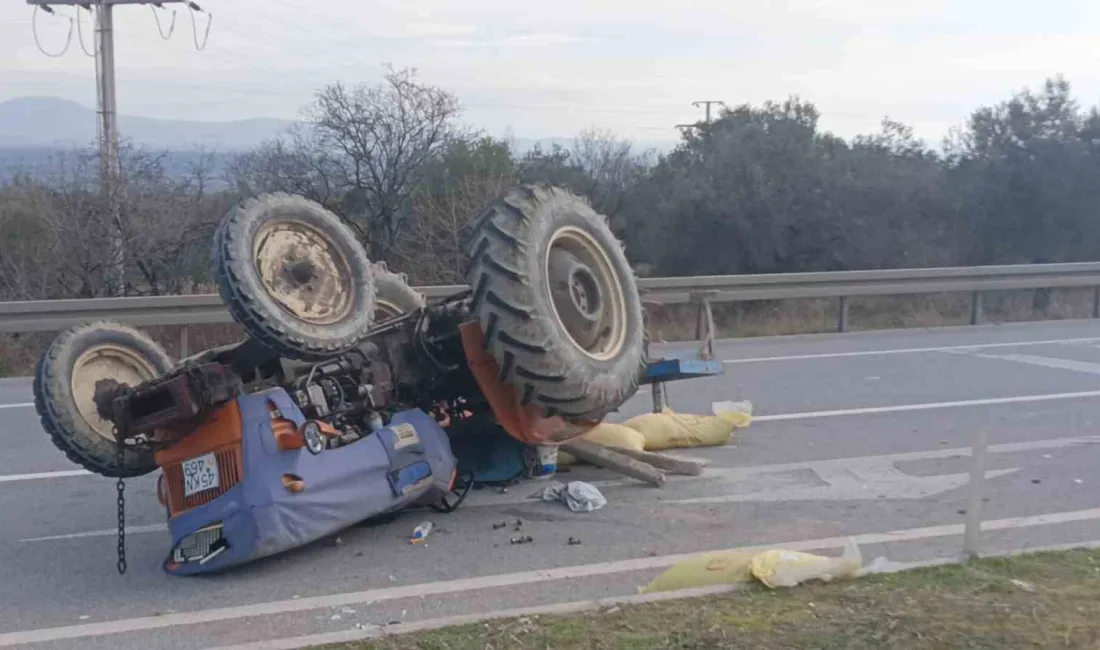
point(279, 499)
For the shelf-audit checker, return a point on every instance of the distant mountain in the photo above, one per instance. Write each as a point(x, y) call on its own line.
point(35, 129)
point(47, 122)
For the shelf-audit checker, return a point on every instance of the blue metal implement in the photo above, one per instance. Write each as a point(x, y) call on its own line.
point(672, 369)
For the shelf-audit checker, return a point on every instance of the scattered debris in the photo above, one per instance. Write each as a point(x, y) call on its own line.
point(339, 541)
point(503, 524)
point(573, 541)
point(421, 532)
point(335, 617)
point(526, 539)
point(578, 496)
point(347, 610)
point(614, 610)
point(1026, 586)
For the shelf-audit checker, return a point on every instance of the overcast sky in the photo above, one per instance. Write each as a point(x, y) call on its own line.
point(544, 69)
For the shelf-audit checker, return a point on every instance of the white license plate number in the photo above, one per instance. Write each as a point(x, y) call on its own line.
point(200, 474)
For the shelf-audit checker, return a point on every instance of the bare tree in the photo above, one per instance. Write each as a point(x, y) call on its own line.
point(295, 163)
point(430, 245)
point(62, 233)
point(361, 153)
point(611, 165)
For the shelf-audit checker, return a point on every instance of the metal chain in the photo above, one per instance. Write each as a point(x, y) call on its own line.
point(121, 488)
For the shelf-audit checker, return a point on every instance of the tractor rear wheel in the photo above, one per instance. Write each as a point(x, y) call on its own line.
point(557, 302)
point(65, 381)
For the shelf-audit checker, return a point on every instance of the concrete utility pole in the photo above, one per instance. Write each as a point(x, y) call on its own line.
point(707, 103)
point(110, 169)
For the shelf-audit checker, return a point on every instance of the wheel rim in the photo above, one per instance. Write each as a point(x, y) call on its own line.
point(385, 310)
point(304, 272)
point(105, 362)
point(586, 294)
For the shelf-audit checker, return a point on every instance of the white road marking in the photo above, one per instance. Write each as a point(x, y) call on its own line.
point(21, 405)
point(746, 477)
point(465, 585)
point(733, 475)
point(1046, 362)
point(558, 609)
point(811, 415)
point(945, 348)
point(130, 530)
point(743, 476)
point(12, 478)
point(855, 482)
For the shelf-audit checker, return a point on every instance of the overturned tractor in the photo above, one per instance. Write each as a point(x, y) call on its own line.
point(337, 406)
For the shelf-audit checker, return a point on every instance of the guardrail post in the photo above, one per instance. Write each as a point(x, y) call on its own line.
point(1096, 302)
point(976, 308)
point(183, 342)
point(842, 317)
point(972, 531)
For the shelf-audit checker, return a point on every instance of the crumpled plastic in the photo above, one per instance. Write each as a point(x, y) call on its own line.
point(780, 568)
point(774, 568)
point(578, 496)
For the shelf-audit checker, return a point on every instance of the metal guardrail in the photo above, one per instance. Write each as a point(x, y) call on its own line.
point(53, 315)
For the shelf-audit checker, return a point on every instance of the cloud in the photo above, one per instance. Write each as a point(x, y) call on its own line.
point(554, 68)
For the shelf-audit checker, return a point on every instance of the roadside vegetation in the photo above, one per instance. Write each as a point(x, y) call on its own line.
point(1048, 601)
point(762, 189)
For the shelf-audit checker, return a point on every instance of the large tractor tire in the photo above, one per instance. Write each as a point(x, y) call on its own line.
point(64, 390)
point(557, 302)
point(294, 276)
point(393, 295)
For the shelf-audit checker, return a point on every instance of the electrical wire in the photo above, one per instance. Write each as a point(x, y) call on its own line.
point(171, 27)
point(80, 34)
point(193, 8)
point(38, 42)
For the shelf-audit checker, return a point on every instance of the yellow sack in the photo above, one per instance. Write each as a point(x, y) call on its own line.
point(778, 568)
point(615, 435)
point(670, 430)
point(710, 569)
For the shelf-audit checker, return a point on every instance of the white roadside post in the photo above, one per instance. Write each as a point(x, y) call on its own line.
point(973, 527)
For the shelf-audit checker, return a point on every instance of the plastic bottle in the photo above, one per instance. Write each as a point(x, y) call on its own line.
point(421, 532)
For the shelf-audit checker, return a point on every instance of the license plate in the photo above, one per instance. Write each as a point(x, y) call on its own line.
point(200, 474)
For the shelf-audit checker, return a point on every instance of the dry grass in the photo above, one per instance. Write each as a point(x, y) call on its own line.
point(1054, 603)
point(18, 353)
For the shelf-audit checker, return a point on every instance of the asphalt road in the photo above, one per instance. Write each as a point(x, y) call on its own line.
point(859, 435)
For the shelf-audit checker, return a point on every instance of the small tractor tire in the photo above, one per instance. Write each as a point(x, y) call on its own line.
point(557, 302)
point(64, 386)
point(294, 276)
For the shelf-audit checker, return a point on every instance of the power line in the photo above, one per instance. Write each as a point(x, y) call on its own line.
point(38, 42)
